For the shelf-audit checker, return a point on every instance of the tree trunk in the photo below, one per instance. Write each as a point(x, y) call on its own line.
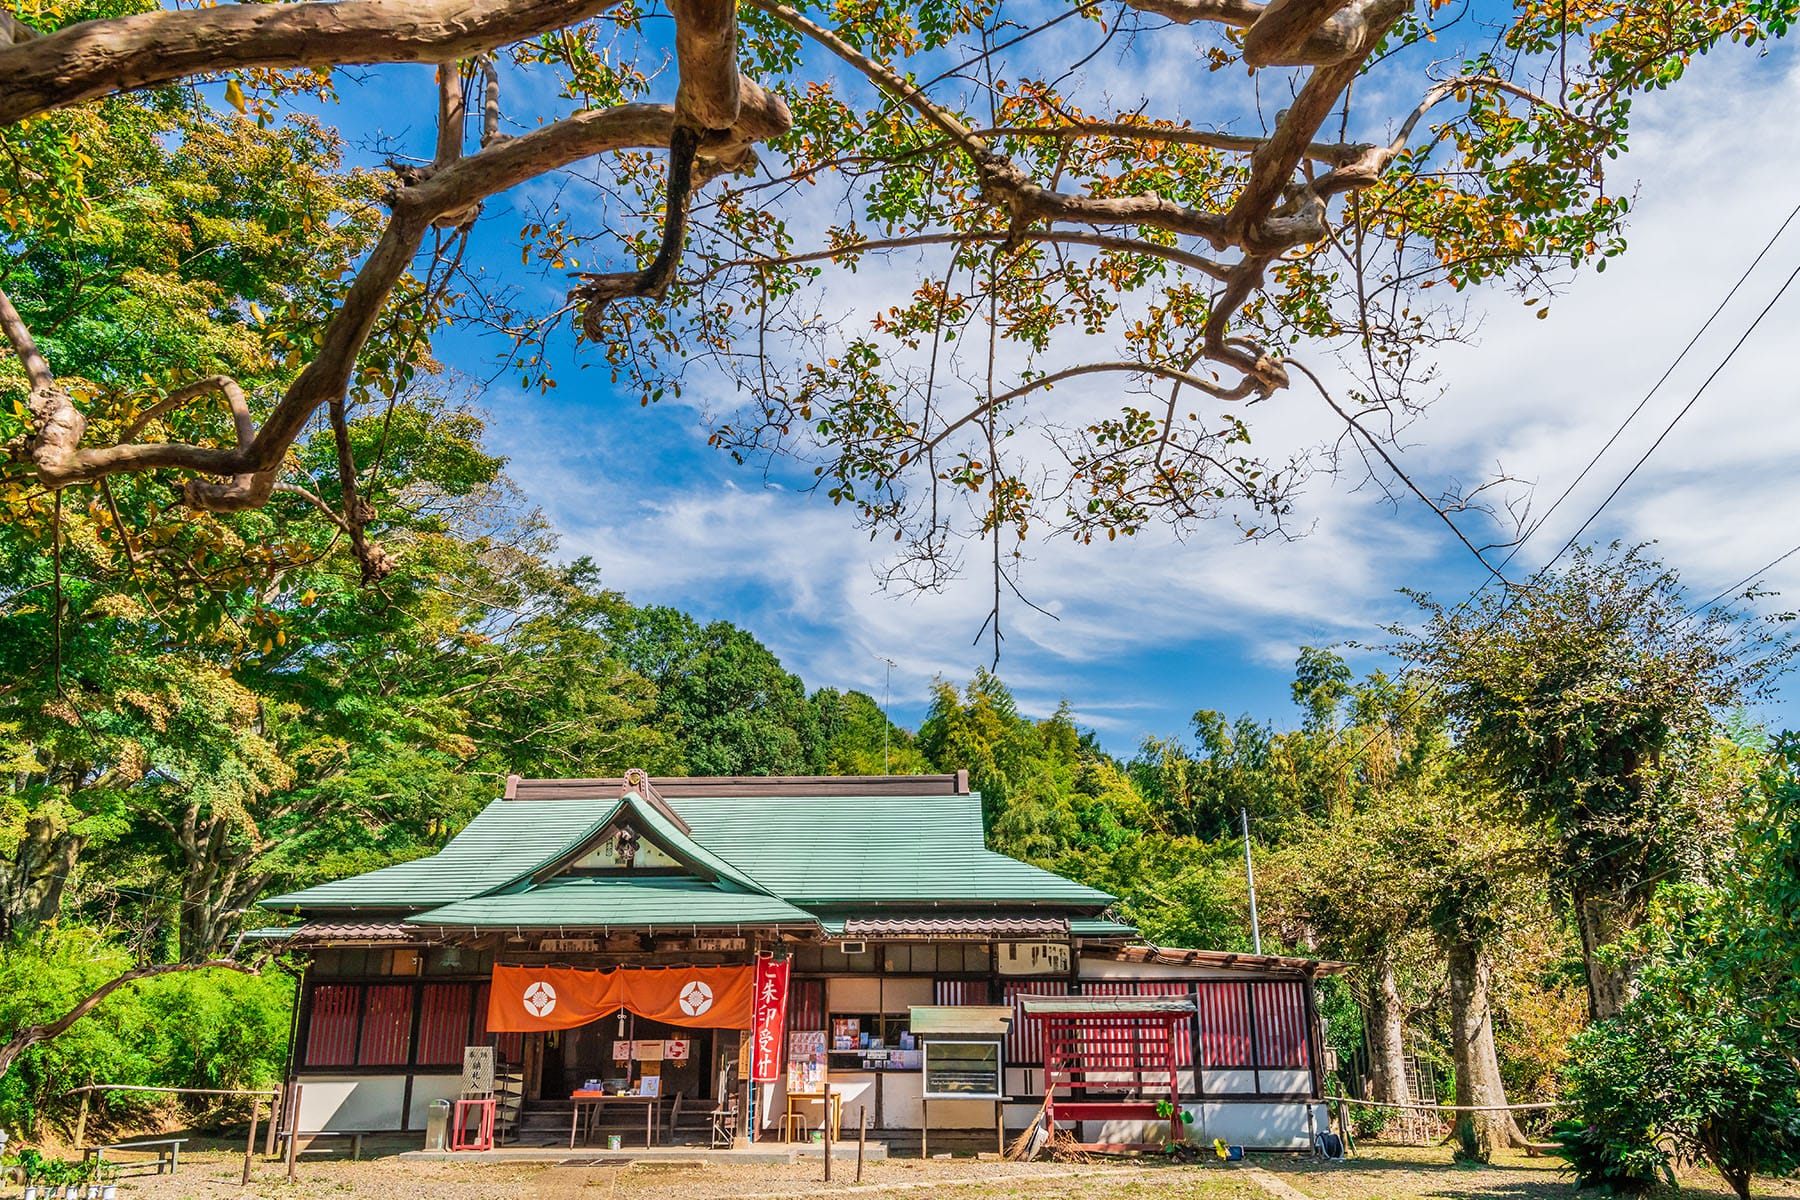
point(217, 883)
point(1386, 1020)
point(32, 883)
point(1603, 916)
point(1472, 1051)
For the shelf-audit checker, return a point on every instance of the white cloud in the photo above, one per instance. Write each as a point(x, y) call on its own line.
point(1539, 396)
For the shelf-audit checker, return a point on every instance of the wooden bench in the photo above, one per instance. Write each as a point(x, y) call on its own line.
point(166, 1150)
point(305, 1140)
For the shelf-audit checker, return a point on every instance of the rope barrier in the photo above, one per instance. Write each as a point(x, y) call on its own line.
point(1454, 1107)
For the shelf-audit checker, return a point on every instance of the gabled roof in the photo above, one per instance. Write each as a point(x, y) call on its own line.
point(594, 903)
point(768, 852)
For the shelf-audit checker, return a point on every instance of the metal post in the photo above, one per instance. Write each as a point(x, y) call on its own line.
point(1250, 875)
point(825, 1120)
point(250, 1142)
point(293, 1124)
point(862, 1137)
point(274, 1122)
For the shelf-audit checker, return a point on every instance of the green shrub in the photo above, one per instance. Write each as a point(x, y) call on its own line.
point(204, 1029)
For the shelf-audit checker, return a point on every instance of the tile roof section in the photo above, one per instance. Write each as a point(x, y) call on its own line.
point(952, 927)
point(1263, 964)
point(777, 787)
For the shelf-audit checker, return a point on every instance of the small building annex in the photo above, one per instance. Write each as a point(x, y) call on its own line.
point(606, 935)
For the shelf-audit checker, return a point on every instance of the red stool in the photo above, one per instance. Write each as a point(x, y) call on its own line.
point(484, 1125)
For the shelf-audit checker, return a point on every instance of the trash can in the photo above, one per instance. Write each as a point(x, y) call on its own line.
point(437, 1125)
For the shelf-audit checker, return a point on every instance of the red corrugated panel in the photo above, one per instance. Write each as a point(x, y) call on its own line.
point(387, 1025)
point(1184, 1033)
point(1025, 1044)
point(806, 1004)
point(443, 1023)
point(1224, 1024)
point(962, 991)
point(331, 1033)
point(1280, 1023)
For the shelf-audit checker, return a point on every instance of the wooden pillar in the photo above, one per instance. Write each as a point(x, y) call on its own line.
point(924, 1128)
point(825, 1120)
point(862, 1137)
point(274, 1122)
point(81, 1120)
point(293, 1126)
point(250, 1142)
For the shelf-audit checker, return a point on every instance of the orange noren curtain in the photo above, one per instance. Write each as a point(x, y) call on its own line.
point(528, 999)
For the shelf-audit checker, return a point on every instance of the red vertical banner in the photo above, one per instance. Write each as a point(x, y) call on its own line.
point(769, 1018)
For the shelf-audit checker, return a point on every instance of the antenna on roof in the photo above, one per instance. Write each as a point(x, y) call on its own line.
point(887, 692)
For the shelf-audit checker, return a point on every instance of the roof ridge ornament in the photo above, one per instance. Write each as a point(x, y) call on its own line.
point(636, 779)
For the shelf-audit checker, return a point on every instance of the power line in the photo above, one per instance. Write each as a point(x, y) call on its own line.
point(1654, 388)
point(1676, 419)
point(1750, 578)
point(1620, 486)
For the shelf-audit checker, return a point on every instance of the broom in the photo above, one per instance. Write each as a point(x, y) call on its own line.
point(1027, 1144)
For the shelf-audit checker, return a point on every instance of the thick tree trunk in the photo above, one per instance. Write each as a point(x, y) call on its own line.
point(1472, 1049)
point(33, 881)
point(1386, 1019)
point(217, 884)
point(1603, 916)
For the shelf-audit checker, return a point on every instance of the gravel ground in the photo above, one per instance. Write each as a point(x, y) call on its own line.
point(1381, 1173)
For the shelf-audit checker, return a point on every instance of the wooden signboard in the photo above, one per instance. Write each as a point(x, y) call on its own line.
point(478, 1069)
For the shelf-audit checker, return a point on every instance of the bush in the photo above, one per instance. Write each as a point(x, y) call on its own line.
point(205, 1029)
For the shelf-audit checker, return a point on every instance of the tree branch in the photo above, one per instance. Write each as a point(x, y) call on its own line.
point(1340, 37)
point(121, 54)
point(30, 1035)
point(1159, 370)
point(1057, 237)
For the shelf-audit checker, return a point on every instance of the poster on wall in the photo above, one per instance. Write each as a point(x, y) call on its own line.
point(768, 1018)
point(806, 1061)
point(676, 1050)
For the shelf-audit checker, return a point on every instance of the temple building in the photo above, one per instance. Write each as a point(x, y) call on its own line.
point(746, 947)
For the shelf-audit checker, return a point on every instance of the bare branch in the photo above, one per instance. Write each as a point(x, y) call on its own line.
point(706, 58)
point(1158, 370)
point(1057, 237)
point(450, 113)
point(18, 334)
point(1341, 37)
point(121, 54)
point(1335, 153)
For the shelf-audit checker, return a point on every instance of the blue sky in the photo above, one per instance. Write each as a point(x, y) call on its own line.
point(1153, 628)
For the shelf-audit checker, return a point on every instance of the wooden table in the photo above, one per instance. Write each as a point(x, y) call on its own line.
point(166, 1150)
point(594, 1101)
point(828, 1099)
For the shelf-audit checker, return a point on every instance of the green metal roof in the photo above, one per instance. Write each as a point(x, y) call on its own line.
point(810, 851)
point(586, 902)
point(1095, 927)
point(873, 849)
point(504, 841)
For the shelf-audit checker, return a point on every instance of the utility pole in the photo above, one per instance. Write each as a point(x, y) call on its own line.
point(1250, 874)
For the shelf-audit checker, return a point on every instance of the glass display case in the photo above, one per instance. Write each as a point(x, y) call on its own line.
point(962, 1070)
